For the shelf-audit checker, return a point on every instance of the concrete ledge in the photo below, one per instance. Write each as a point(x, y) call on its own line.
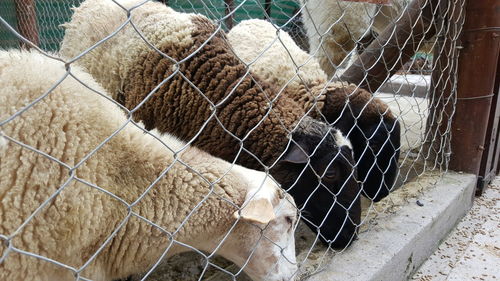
point(408, 85)
point(394, 248)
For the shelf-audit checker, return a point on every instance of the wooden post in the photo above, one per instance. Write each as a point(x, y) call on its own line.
point(489, 161)
point(267, 8)
point(229, 9)
point(26, 21)
point(476, 79)
point(394, 47)
point(491, 154)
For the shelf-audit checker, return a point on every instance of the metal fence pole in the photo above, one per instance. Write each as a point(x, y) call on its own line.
point(26, 21)
point(476, 78)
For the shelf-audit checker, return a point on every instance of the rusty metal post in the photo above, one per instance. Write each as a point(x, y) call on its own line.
point(26, 21)
point(394, 47)
point(496, 159)
point(476, 79)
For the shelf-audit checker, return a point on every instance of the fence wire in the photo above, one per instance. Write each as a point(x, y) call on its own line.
point(297, 54)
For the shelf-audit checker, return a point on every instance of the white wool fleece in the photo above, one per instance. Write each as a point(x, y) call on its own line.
point(107, 17)
point(69, 124)
point(273, 55)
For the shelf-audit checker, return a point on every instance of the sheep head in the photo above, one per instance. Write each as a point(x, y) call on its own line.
point(317, 169)
point(263, 242)
point(374, 132)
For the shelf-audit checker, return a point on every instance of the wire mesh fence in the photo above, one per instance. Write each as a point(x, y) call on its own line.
point(260, 85)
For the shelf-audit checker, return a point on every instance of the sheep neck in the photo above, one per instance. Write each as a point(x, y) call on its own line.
point(139, 244)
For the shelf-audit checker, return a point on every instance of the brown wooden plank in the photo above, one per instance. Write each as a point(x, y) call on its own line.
point(490, 153)
point(496, 158)
point(26, 21)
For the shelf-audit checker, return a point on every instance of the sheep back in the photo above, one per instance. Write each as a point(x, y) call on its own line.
point(209, 74)
point(279, 61)
point(261, 45)
point(333, 28)
point(68, 124)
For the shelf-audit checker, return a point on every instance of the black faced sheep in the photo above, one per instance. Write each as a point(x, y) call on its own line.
point(95, 212)
point(367, 121)
point(199, 91)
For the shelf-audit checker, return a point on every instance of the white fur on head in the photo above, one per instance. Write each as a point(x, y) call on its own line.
point(341, 140)
point(272, 246)
point(261, 197)
point(282, 248)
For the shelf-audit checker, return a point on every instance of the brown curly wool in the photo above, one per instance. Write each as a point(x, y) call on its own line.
point(218, 76)
point(331, 99)
point(305, 95)
point(286, 65)
point(365, 107)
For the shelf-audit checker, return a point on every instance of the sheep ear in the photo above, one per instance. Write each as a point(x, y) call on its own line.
point(258, 210)
point(295, 155)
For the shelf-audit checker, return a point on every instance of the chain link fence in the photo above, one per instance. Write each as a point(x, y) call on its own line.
point(271, 94)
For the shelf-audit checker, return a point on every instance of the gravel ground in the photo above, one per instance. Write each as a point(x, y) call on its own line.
point(472, 250)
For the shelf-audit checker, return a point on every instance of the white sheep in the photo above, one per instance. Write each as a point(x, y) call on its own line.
point(368, 122)
point(272, 54)
point(334, 27)
point(68, 124)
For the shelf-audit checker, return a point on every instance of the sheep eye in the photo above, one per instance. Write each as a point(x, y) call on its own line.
point(289, 219)
point(330, 175)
